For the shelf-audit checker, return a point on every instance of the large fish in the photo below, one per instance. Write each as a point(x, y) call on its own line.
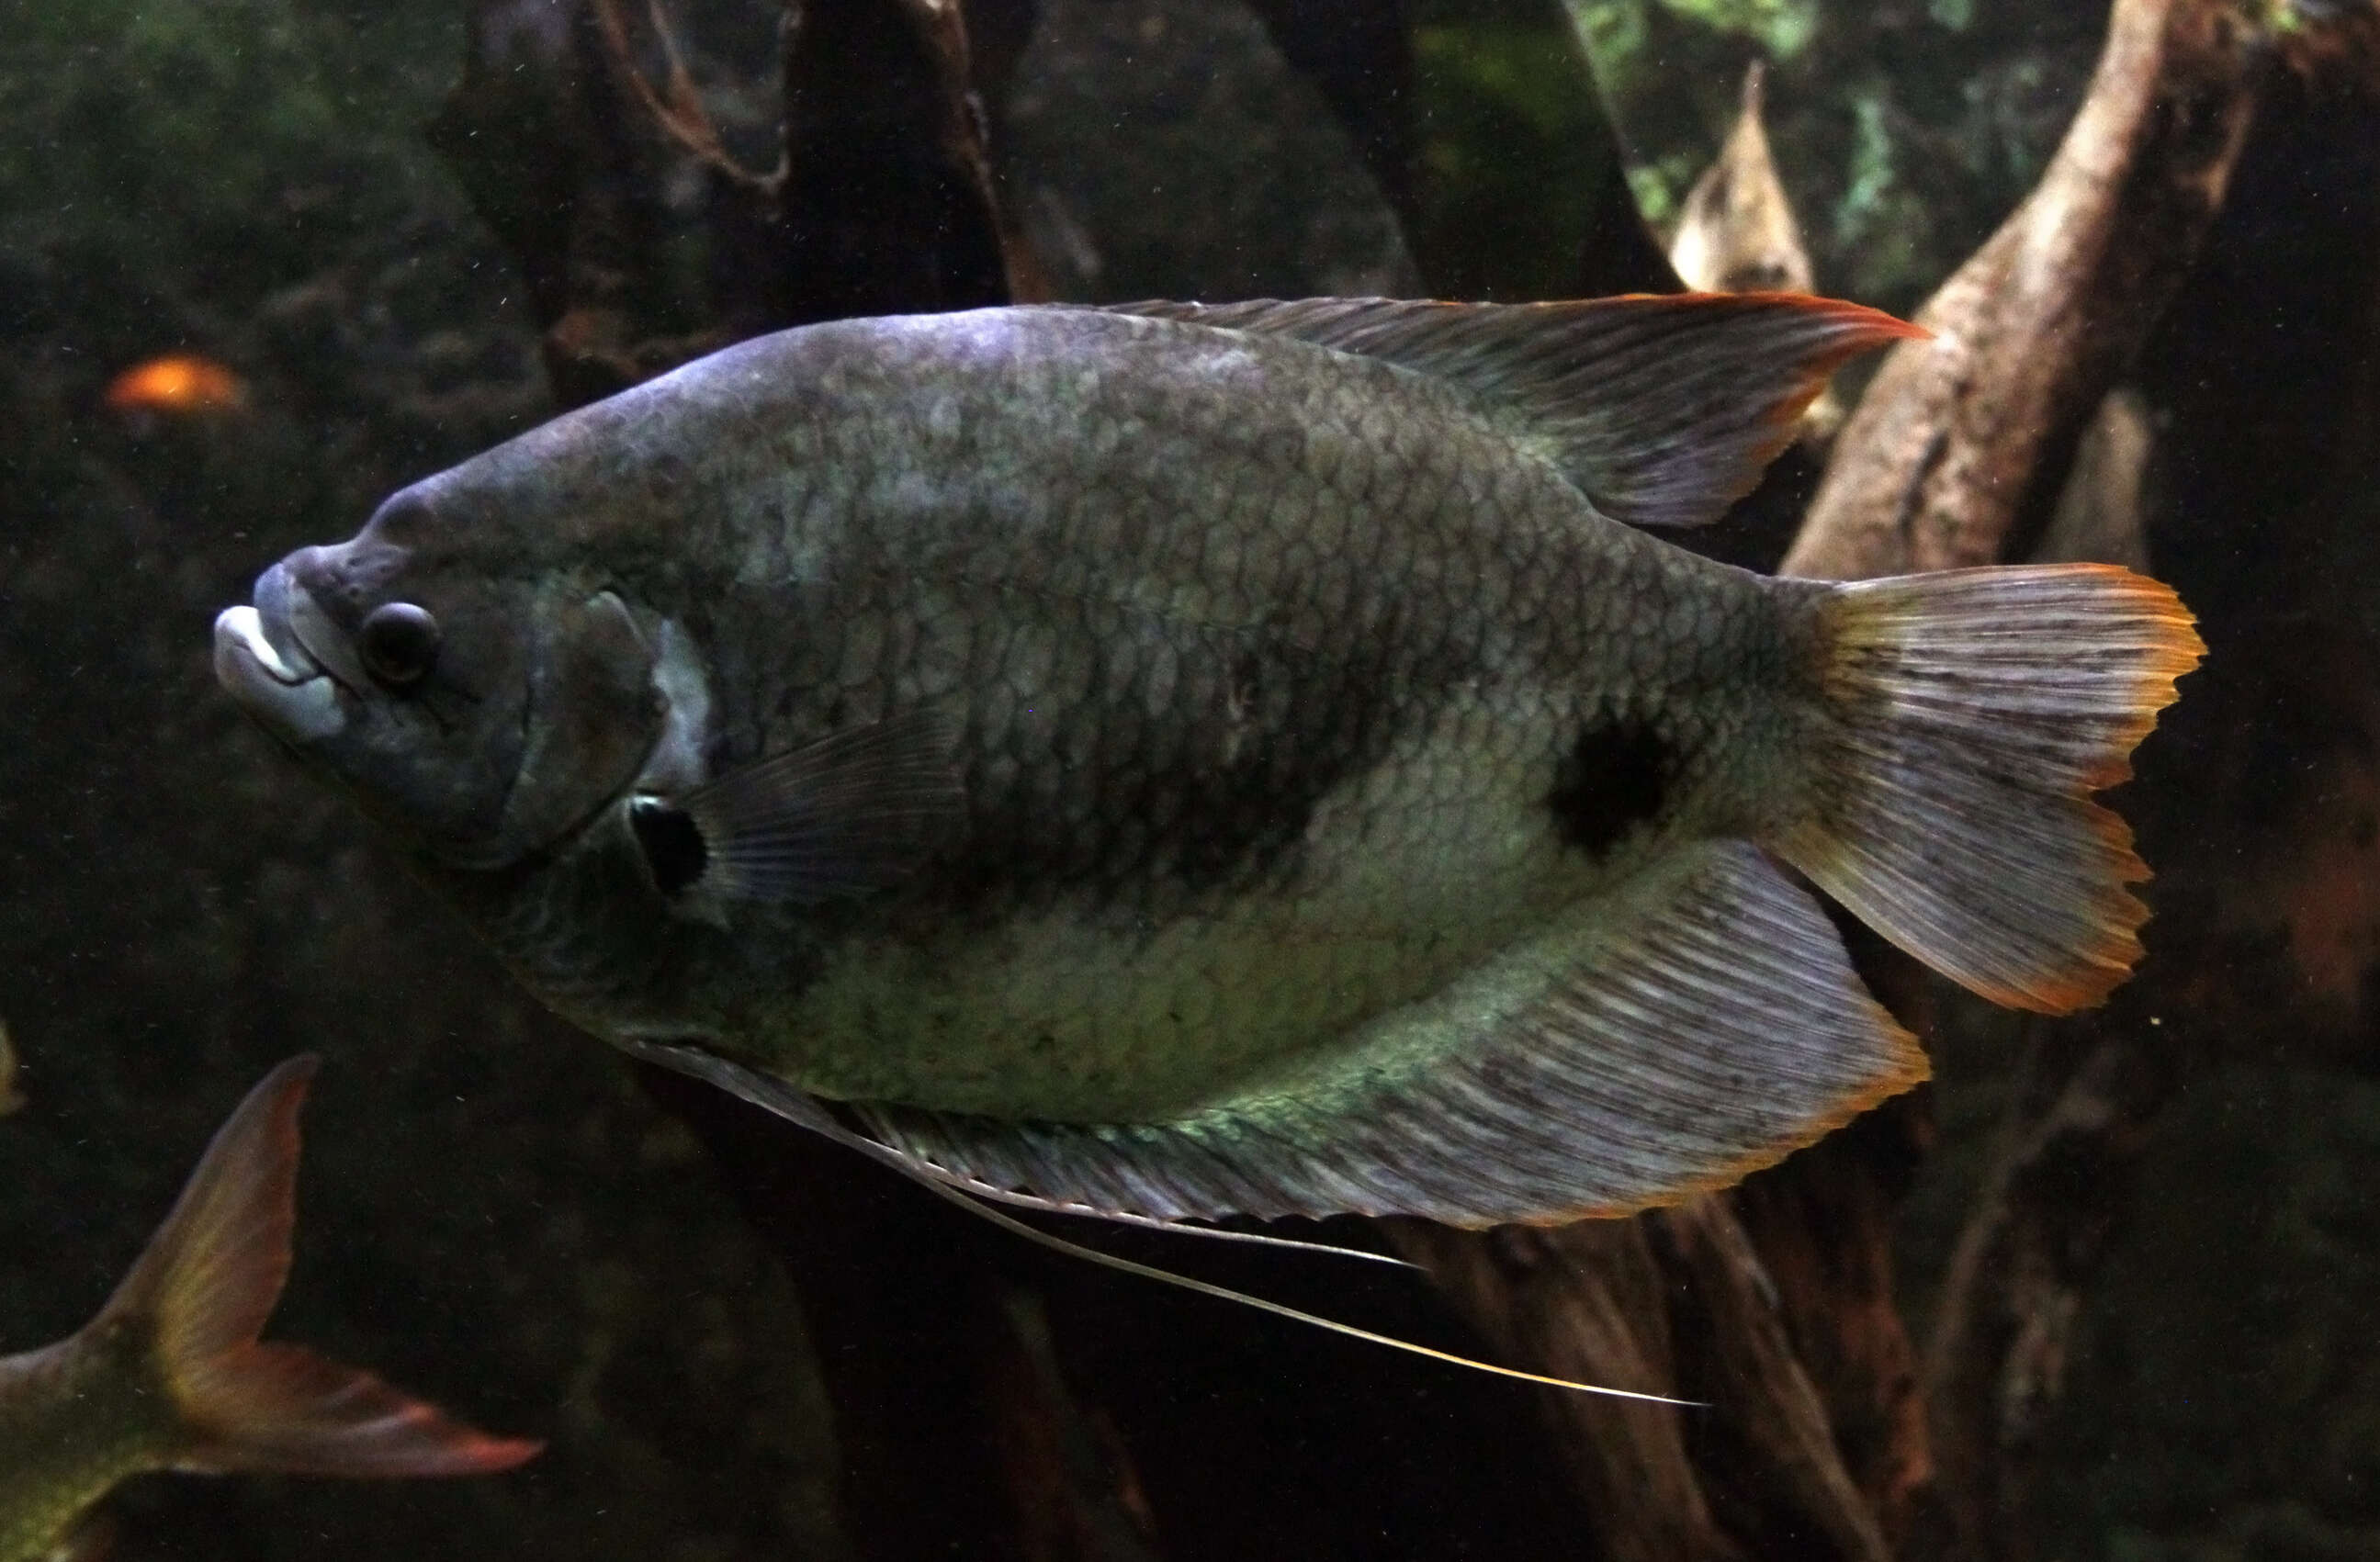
point(170, 1375)
point(1178, 760)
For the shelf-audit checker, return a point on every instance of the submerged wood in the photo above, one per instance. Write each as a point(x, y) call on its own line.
point(2088, 1092)
point(2256, 805)
point(541, 136)
point(1957, 451)
point(1958, 456)
point(887, 205)
point(1784, 1448)
point(570, 120)
point(1955, 457)
point(1588, 1301)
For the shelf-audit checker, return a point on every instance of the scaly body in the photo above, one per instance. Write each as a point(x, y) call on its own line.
point(76, 1419)
point(1271, 695)
point(1231, 732)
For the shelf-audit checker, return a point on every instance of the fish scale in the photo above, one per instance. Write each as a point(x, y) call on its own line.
point(1179, 759)
point(1393, 575)
point(59, 1461)
point(1412, 658)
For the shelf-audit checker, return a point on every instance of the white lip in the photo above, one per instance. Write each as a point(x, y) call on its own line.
point(300, 703)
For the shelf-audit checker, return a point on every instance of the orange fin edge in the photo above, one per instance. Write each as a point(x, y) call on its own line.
point(207, 1283)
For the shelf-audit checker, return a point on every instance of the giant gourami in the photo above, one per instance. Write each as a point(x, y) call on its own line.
point(1177, 760)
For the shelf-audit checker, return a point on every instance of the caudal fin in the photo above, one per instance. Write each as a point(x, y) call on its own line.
point(1971, 714)
point(208, 1282)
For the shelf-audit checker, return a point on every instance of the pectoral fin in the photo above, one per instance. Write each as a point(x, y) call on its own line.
point(1670, 1039)
point(856, 810)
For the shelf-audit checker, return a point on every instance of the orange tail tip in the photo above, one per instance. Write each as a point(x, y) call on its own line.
point(209, 1279)
point(1973, 713)
point(284, 1408)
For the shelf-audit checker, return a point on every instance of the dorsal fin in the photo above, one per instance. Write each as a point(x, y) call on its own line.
point(1662, 409)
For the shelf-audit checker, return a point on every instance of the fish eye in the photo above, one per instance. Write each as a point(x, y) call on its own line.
point(398, 641)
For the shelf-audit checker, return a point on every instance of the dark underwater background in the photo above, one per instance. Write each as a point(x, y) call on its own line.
point(740, 1347)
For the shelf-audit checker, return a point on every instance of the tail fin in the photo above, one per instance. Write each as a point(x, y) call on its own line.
point(1971, 714)
point(208, 1282)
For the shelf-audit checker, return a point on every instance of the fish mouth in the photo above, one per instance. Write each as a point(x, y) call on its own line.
point(266, 659)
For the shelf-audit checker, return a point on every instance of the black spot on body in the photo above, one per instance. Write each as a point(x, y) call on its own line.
point(1615, 778)
point(672, 844)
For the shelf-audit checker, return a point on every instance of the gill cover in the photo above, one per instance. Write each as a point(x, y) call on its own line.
point(593, 717)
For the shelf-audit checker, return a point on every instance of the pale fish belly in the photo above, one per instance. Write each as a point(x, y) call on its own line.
point(1411, 874)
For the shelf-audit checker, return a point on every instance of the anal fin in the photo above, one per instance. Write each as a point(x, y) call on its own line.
point(1673, 1037)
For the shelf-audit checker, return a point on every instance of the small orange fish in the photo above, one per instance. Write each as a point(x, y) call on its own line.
point(182, 384)
point(171, 1375)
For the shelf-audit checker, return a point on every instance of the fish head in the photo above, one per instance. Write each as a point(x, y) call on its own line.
point(474, 698)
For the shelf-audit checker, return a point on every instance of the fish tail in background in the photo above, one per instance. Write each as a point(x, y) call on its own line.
point(205, 1286)
point(1971, 714)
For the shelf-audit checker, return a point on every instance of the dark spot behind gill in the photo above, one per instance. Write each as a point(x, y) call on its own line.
point(1615, 778)
point(672, 842)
